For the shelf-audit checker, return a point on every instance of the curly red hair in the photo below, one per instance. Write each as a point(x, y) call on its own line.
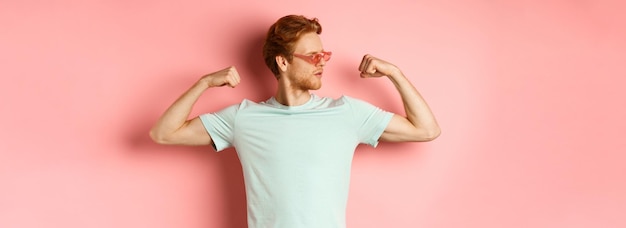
point(282, 36)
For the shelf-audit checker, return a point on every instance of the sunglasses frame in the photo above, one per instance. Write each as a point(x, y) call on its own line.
point(315, 58)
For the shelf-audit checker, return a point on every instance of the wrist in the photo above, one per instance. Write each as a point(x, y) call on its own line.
point(203, 84)
point(396, 75)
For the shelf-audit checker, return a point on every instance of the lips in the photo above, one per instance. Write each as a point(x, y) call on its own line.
point(318, 73)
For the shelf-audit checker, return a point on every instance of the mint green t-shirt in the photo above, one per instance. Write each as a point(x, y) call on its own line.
point(296, 160)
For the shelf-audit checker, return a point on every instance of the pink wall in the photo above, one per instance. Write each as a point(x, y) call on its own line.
point(529, 95)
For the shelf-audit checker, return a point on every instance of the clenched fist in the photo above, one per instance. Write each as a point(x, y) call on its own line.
point(227, 76)
point(374, 67)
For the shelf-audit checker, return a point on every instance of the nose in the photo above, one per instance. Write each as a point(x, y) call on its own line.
point(322, 62)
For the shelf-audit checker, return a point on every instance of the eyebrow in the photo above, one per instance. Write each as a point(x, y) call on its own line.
point(314, 52)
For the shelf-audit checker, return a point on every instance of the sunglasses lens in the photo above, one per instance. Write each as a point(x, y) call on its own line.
point(316, 58)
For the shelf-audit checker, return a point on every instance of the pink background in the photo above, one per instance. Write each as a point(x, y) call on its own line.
point(530, 96)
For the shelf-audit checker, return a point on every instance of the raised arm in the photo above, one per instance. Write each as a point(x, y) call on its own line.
point(175, 127)
point(419, 124)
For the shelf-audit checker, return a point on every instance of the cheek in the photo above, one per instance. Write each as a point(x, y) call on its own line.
point(309, 69)
point(302, 71)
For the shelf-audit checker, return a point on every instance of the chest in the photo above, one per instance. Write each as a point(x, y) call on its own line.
point(310, 137)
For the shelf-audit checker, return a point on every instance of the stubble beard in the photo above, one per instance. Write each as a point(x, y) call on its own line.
point(309, 83)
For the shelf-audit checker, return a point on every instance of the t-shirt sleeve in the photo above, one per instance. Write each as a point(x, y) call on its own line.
point(370, 121)
point(220, 126)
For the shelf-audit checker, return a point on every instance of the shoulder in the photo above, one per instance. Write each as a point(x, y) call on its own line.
point(355, 102)
point(245, 104)
point(232, 109)
point(350, 99)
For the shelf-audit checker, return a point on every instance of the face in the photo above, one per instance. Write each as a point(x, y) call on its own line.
point(302, 72)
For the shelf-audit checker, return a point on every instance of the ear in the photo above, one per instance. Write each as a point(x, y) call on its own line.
point(282, 63)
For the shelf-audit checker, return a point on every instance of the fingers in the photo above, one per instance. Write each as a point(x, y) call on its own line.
point(374, 67)
point(363, 63)
point(227, 76)
point(232, 77)
point(368, 66)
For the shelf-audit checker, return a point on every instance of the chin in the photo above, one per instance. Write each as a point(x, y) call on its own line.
point(316, 86)
point(313, 84)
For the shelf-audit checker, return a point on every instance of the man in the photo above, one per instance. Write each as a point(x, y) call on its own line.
point(296, 148)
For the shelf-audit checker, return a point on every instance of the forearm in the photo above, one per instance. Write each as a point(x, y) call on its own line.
point(415, 107)
point(177, 115)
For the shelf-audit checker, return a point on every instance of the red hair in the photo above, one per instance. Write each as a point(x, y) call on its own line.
point(282, 36)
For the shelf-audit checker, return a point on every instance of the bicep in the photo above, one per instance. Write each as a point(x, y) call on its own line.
point(400, 129)
point(193, 133)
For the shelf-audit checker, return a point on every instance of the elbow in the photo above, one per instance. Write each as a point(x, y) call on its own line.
point(433, 135)
point(428, 136)
point(159, 138)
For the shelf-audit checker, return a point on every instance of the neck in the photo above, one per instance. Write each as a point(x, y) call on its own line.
point(289, 96)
